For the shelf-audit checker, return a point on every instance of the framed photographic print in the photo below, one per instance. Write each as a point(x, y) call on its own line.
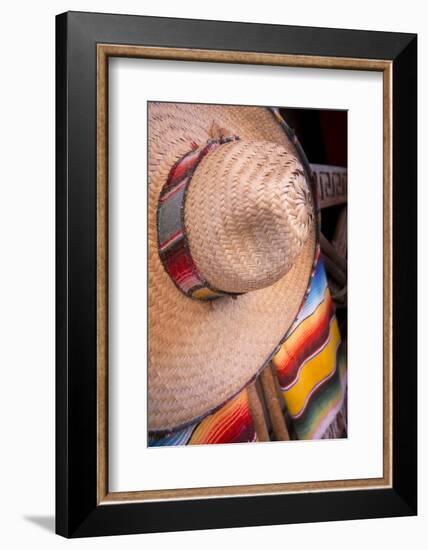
point(236, 274)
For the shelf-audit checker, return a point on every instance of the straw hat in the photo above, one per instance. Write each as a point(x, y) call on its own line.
point(229, 197)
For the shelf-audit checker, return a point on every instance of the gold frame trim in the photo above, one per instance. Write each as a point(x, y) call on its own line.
point(104, 51)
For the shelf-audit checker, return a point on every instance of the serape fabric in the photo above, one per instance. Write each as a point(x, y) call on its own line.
point(311, 377)
point(311, 370)
point(232, 423)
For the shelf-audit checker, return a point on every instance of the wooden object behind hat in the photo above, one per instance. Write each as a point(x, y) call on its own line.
point(257, 413)
point(340, 238)
point(329, 250)
point(331, 182)
point(274, 405)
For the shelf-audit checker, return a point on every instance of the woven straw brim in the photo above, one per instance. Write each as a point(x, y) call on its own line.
point(202, 353)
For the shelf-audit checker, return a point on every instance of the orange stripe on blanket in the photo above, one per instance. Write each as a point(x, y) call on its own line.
point(313, 373)
point(306, 339)
point(230, 424)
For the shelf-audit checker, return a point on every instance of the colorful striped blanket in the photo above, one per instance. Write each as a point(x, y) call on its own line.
point(311, 371)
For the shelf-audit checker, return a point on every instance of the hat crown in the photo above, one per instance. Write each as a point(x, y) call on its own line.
point(248, 213)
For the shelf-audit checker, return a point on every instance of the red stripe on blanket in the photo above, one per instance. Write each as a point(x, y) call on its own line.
point(306, 340)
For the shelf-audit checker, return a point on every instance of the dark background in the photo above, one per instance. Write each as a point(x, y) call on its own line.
point(322, 134)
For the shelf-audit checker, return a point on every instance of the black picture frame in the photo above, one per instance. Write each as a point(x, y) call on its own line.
point(78, 513)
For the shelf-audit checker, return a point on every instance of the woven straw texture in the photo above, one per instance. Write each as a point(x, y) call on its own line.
point(247, 215)
point(202, 353)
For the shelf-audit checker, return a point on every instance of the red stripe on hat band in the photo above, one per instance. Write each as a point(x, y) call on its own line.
point(173, 246)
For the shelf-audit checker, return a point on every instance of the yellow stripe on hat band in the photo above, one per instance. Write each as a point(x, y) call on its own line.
point(205, 293)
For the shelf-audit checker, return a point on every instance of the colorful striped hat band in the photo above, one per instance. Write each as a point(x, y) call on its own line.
point(174, 250)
